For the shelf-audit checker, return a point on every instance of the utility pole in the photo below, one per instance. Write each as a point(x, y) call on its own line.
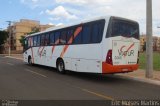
point(149, 43)
point(9, 48)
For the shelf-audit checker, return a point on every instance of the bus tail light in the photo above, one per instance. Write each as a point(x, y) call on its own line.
point(109, 57)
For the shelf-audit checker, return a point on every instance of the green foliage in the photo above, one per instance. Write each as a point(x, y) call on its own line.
point(22, 40)
point(144, 46)
point(34, 30)
point(156, 61)
point(3, 37)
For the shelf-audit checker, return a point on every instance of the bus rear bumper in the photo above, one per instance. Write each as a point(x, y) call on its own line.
point(110, 69)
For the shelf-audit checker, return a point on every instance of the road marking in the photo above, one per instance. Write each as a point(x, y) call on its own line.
point(14, 57)
point(89, 91)
point(10, 64)
point(98, 94)
point(36, 73)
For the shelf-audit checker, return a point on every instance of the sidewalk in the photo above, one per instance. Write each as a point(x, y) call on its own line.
point(138, 75)
point(141, 74)
point(15, 56)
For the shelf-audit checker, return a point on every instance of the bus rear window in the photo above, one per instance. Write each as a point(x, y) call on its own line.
point(124, 28)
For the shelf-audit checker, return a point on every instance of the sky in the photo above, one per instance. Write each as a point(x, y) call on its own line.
point(64, 12)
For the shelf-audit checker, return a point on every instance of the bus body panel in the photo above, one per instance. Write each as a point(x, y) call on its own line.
point(90, 58)
point(120, 63)
point(77, 58)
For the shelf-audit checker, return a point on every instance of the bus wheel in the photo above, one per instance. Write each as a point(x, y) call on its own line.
point(61, 66)
point(30, 60)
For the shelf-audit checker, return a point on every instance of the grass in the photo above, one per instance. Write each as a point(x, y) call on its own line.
point(156, 61)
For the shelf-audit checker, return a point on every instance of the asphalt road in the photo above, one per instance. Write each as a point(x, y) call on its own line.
point(23, 82)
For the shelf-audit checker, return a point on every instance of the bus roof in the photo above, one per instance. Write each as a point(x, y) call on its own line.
point(84, 21)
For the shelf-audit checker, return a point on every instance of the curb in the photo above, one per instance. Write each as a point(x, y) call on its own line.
point(145, 80)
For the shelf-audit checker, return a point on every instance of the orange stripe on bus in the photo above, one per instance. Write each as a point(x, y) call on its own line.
point(108, 68)
point(53, 47)
point(41, 51)
point(130, 47)
point(32, 54)
point(78, 30)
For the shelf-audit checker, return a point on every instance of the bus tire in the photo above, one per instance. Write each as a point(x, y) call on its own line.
point(61, 66)
point(30, 60)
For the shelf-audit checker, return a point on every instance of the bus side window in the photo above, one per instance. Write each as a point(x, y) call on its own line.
point(70, 34)
point(52, 41)
point(57, 35)
point(26, 44)
point(38, 40)
point(63, 37)
point(47, 41)
point(35, 41)
point(78, 37)
point(95, 33)
point(101, 30)
point(30, 41)
point(42, 40)
point(86, 34)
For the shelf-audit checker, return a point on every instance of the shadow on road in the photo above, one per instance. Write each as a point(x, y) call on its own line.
point(100, 78)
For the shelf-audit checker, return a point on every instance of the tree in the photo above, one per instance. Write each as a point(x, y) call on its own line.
point(22, 40)
point(144, 46)
point(34, 30)
point(3, 37)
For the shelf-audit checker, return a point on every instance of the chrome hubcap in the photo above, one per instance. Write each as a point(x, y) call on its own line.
point(60, 66)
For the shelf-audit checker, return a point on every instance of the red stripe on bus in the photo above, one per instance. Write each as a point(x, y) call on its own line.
point(42, 51)
point(78, 30)
point(130, 47)
point(32, 55)
point(53, 47)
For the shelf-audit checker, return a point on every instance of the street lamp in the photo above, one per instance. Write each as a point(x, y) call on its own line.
point(149, 45)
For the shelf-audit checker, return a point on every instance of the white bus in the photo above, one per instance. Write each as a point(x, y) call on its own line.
point(104, 45)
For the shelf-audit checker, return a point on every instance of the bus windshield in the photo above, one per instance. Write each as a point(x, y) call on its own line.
point(124, 28)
